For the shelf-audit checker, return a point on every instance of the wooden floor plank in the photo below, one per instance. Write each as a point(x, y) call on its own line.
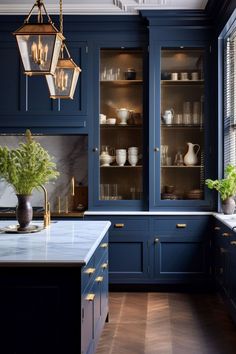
point(167, 323)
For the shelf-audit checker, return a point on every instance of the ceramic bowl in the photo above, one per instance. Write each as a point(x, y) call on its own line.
point(111, 121)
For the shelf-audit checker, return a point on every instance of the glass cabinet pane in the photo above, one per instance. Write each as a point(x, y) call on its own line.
point(182, 124)
point(121, 122)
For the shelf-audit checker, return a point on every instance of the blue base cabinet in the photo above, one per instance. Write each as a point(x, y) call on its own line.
point(225, 264)
point(158, 249)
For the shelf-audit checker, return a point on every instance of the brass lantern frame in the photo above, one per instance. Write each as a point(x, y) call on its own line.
point(40, 29)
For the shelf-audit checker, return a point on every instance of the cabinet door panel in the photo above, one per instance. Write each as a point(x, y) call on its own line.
point(37, 95)
point(10, 79)
point(181, 257)
point(128, 257)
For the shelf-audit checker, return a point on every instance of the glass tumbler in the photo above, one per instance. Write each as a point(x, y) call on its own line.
point(187, 116)
point(196, 112)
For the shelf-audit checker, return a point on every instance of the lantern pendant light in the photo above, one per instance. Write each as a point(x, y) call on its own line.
point(63, 84)
point(39, 43)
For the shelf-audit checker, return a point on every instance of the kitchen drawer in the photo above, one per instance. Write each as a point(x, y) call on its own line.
point(194, 226)
point(123, 223)
point(94, 270)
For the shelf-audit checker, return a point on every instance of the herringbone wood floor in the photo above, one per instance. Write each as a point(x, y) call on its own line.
point(167, 323)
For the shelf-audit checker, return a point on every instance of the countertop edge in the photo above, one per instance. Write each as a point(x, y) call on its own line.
point(140, 213)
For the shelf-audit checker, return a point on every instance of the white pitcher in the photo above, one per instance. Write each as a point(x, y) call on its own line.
point(190, 158)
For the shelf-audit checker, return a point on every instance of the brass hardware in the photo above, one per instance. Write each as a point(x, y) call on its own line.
point(221, 270)
point(95, 149)
point(104, 266)
point(156, 240)
point(156, 149)
point(223, 250)
point(233, 243)
point(99, 279)
point(90, 271)
point(181, 226)
point(119, 226)
point(47, 214)
point(104, 245)
point(90, 297)
point(226, 234)
point(216, 228)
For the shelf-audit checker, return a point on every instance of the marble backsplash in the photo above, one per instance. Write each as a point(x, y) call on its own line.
point(71, 157)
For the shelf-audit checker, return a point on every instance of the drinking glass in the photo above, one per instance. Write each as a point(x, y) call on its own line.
point(196, 112)
point(187, 116)
point(113, 191)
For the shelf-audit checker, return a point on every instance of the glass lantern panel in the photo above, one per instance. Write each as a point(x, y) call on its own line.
point(60, 83)
point(37, 52)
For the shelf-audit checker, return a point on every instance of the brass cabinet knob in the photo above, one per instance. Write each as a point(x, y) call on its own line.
point(156, 149)
point(119, 226)
point(99, 279)
point(216, 228)
point(233, 243)
point(104, 245)
point(156, 240)
point(104, 265)
point(90, 297)
point(226, 234)
point(181, 226)
point(90, 271)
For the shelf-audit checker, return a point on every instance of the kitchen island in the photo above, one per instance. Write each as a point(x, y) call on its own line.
point(54, 288)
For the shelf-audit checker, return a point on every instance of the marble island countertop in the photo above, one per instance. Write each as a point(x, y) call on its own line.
point(70, 242)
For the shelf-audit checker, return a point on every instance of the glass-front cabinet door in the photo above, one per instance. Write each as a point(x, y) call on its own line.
point(182, 125)
point(121, 126)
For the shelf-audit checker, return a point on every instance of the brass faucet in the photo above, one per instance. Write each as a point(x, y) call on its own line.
point(47, 214)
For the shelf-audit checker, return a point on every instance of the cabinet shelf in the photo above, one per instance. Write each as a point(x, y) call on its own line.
point(121, 126)
point(126, 166)
point(173, 166)
point(181, 126)
point(182, 82)
point(121, 82)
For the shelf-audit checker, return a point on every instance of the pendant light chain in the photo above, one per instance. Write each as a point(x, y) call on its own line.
point(61, 18)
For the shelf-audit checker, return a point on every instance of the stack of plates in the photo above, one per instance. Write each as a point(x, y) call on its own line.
point(195, 194)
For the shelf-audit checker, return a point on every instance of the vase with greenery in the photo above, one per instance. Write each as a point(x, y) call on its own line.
point(26, 168)
point(226, 188)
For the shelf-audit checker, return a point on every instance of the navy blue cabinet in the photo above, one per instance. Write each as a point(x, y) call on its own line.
point(159, 249)
point(25, 101)
point(181, 247)
point(225, 264)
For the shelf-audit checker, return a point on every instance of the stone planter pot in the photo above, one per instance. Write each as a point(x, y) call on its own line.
point(24, 211)
point(228, 205)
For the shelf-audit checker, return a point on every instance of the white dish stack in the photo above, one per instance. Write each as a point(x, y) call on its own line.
point(133, 155)
point(121, 156)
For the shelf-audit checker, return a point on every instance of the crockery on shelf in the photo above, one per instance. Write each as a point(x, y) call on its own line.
point(111, 121)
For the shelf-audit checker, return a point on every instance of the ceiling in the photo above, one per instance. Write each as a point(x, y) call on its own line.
point(99, 7)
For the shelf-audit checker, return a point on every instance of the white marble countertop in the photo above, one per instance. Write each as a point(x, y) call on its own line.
point(63, 242)
point(228, 220)
point(140, 213)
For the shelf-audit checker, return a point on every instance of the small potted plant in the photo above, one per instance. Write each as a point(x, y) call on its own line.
point(227, 189)
point(26, 168)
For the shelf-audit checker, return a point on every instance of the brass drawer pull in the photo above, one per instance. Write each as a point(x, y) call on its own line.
point(226, 234)
point(90, 271)
point(233, 243)
point(90, 297)
point(104, 266)
point(156, 240)
point(119, 226)
point(99, 279)
point(181, 226)
point(216, 228)
point(104, 245)
point(223, 250)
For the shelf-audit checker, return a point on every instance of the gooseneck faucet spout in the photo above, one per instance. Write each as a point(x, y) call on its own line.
point(47, 214)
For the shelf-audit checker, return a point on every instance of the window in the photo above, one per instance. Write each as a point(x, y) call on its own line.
point(230, 98)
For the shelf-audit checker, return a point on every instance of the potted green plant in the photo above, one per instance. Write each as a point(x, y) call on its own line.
point(227, 189)
point(25, 168)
